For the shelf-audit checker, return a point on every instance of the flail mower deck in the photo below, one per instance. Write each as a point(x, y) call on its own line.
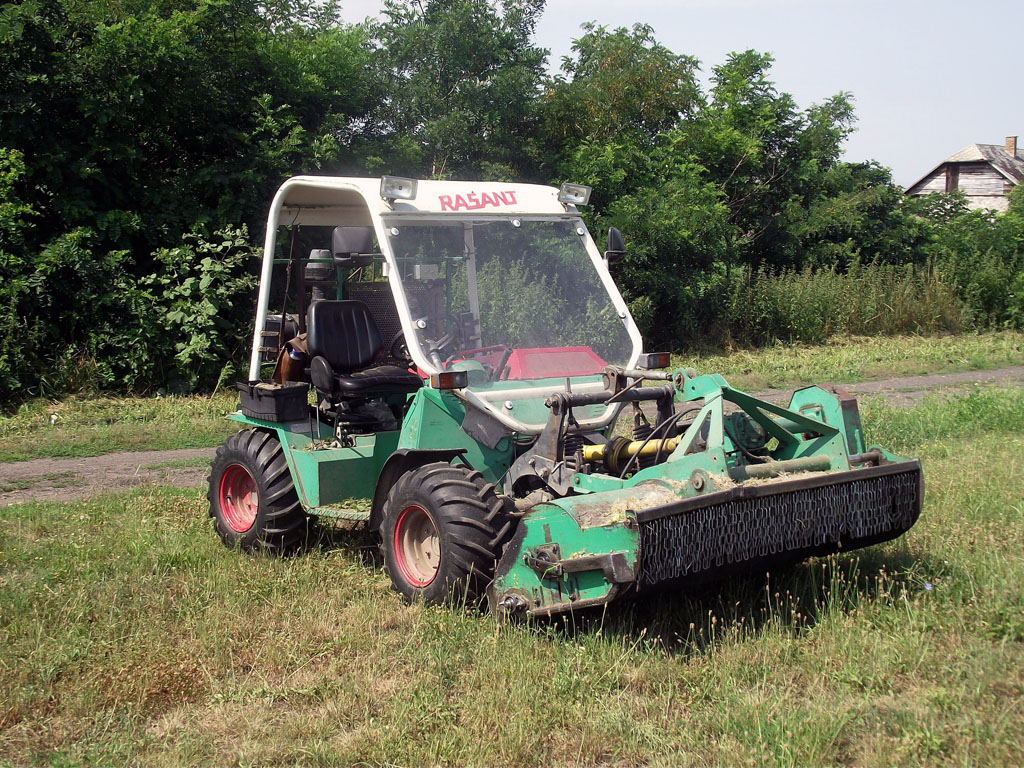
point(468, 356)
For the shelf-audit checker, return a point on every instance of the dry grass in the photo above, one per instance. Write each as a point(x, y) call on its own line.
point(128, 635)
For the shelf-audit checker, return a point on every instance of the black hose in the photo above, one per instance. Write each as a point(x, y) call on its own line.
point(668, 420)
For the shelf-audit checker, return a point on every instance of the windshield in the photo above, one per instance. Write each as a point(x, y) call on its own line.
point(507, 299)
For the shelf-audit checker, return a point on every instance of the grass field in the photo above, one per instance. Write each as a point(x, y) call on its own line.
point(129, 635)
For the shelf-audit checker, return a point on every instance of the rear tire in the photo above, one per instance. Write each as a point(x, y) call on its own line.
point(252, 498)
point(444, 529)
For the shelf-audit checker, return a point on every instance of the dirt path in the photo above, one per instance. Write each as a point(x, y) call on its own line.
point(906, 391)
point(69, 479)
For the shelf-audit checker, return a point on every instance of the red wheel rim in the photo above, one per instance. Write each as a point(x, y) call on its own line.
point(239, 498)
point(417, 546)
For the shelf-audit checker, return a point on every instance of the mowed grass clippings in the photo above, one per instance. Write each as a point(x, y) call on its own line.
point(860, 358)
point(90, 426)
point(129, 635)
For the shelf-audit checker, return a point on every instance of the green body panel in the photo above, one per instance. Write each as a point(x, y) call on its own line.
point(821, 404)
point(552, 522)
point(331, 481)
point(330, 478)
point(434, 421)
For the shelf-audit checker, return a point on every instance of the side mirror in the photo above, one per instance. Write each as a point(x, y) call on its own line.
point(352, 246)
point(616, 247)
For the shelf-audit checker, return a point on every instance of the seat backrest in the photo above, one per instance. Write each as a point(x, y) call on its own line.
point(344, 332)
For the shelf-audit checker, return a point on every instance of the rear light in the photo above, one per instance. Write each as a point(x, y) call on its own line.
point(652, 361)
point(450, 380)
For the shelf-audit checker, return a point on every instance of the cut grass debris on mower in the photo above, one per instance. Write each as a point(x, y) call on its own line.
point(470, 355)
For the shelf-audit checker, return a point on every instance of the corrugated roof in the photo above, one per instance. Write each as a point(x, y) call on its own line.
point(1010, 166)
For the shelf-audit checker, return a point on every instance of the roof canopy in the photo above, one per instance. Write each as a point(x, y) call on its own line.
point(338, 200)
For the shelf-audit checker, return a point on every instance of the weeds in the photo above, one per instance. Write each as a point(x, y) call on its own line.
point(812, 306)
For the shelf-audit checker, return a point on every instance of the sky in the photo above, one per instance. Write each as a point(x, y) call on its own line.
point(928, 77)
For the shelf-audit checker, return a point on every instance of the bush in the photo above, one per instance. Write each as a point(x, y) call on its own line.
point(14, 216)
point(187, 318)
point(983, 253)
point(77, 320)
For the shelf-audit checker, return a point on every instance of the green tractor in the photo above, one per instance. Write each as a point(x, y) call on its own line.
point(450, 374)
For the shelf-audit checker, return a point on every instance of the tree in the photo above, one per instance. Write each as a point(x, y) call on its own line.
point(619, 86)
point(981, 253)
point(702, 184)
point(767, 155)
point(141, 121)
point(459, 83)
point(853, 212)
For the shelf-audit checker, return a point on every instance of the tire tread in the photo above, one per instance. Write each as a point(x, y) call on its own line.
point(476, 521)
point(281, 522)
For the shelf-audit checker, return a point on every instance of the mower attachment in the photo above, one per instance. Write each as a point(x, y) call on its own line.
point(719, 505)
point(812, 515)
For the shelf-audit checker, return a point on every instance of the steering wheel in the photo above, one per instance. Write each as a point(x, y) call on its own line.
point(399, 347)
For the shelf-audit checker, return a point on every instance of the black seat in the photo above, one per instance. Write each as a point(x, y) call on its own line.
point(343, 339)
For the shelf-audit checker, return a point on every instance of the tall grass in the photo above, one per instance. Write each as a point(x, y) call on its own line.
point(867, 300)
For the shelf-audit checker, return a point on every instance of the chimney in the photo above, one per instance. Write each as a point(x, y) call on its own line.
point(1011, 145)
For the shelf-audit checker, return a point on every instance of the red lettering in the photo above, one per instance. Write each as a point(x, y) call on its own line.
point(474, 202)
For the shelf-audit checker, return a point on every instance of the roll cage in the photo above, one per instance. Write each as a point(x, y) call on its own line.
point(320, 201)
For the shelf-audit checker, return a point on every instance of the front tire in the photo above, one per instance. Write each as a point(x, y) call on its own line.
point(252, 498)
point(444, 529)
